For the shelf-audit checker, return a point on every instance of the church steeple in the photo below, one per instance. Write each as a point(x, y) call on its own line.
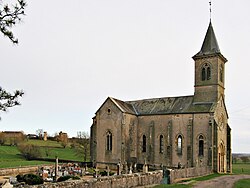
point(209, 69)
point(210, 45)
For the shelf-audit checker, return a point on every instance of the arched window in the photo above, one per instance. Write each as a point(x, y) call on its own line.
point(205, 72)
point(201, 145)
point(179, 145)
point(144, 143)
point(161, 144)
point(109, 141)
point(208, 73)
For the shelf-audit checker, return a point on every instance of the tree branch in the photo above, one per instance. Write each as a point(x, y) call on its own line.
point(8, 100)
point(9, 17)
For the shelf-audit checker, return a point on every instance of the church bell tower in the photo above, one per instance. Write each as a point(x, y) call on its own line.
point(209, 70)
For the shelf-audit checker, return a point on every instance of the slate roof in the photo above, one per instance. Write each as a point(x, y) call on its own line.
point(166, 105)
point(125, 107)
point(210, 45)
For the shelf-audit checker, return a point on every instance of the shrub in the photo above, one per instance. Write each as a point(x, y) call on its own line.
point(72, 145)
point(75, 177)
point(91, 171)
point(30, 179)
point(29, 151)
point(245, 159)
point(105, 173)
point(19, 178)
point(64, 178)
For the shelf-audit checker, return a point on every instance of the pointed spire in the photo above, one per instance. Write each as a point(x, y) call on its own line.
point(210, 45)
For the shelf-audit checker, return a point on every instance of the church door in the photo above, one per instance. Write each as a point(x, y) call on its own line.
point(221, 158)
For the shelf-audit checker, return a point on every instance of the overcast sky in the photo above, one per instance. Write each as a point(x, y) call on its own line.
point(73, 54)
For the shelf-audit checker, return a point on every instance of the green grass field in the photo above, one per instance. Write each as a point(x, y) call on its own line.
point(241, 168)
point(48, 143)
point(244, 183)
point(11, 157)
point(62, 153)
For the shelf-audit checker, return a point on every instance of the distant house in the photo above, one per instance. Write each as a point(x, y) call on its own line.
point(11, 137)
point(32, 136)
point(62, 137)
point(13, 134)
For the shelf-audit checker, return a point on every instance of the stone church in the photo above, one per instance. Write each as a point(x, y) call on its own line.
point(176, 132)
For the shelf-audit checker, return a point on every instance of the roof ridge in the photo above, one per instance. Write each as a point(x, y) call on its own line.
point(157, 98)
point(114, 100)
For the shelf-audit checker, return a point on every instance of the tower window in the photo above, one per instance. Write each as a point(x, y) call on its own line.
point(109, 141)
point(221, 73)
point(161, 144)
point(208, 73)
point(179, 145)
point(205, 72)
point(201, 145)
point(144, 143)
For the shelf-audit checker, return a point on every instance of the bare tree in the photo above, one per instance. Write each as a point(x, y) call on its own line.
point(29, 151)
point(10, 15)
point(82, 146)
point(39, 133)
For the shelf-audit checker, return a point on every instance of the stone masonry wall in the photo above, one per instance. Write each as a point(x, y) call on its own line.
point(128, 180)
point(122, 181)
point(16, 171)
point(189, 172)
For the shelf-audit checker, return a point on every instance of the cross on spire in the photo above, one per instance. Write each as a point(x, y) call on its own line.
point(210, 9)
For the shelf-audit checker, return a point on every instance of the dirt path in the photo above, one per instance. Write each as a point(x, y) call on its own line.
point(226, 181)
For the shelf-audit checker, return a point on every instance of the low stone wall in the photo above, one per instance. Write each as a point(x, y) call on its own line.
point(189, 172)
point(16, 171)
point(121, 181)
